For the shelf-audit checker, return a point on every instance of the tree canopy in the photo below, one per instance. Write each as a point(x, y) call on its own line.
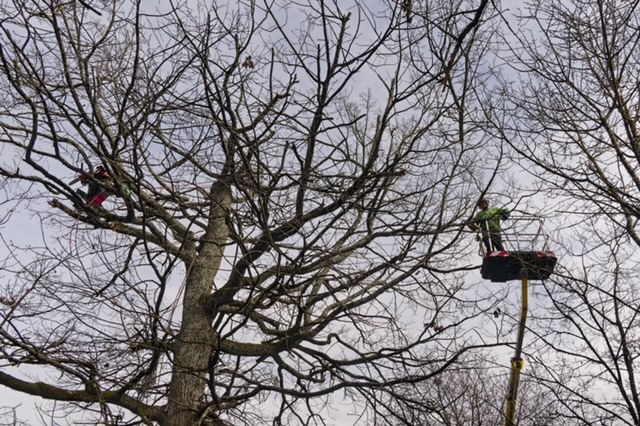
point(286, 184)
point(257, 212)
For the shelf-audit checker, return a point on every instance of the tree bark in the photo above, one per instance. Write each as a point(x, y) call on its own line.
point(195, 342)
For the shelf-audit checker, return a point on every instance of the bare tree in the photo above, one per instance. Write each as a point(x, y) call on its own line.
point(471, 393)
point(571, 115)
point(286, 186)
point(9, 417)
point(463, 395)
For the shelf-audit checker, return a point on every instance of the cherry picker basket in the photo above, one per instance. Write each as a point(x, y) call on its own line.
point(526, 251)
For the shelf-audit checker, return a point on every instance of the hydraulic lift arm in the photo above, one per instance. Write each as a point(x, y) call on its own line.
point(517, 363)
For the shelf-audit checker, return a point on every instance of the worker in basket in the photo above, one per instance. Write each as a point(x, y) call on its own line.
point(487, 222)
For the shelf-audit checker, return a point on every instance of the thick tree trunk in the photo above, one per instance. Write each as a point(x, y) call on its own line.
point(192, 350)
point(195, 342)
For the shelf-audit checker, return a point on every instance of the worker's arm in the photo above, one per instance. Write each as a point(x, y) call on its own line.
point(474, 224)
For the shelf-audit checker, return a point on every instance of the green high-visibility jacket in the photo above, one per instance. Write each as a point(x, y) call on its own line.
point(488, 220)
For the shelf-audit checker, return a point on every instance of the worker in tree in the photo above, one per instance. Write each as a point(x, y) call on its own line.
point(487, 221)
point(96, 194)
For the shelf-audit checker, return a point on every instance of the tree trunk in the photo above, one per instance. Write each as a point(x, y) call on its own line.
point(195, 342)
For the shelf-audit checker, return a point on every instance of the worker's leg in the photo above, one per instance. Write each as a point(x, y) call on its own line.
point(98, 199)
point(496, 242)
point(488, 244)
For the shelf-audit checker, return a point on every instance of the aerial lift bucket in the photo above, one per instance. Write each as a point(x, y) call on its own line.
point(526, 250)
